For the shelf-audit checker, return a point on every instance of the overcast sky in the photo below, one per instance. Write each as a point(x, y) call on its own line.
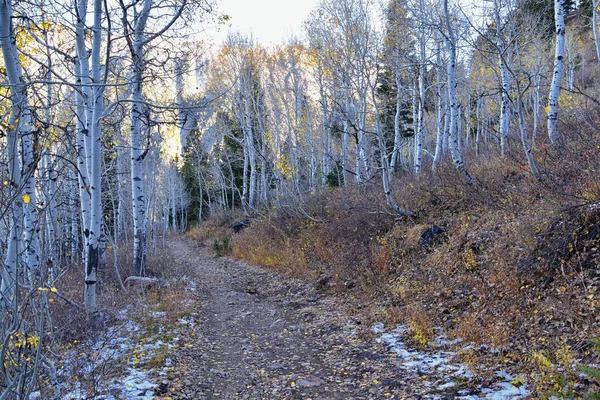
point(269, 21)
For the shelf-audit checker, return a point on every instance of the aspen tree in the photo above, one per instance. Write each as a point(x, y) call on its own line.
point(506, 102)
point(559, 62)
point(450, 39)
point(137, 41)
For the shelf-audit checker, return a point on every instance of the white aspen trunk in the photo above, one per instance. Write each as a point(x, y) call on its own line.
point(83, 78)
point(419, 133)
point(249, 142)
point(454, 106)
point(595, 22)
point(173, 203)
point(120, 220)
point(295, 147)
point(446, 135)
point(21, 125)
point(313, 164)
point(233, 188)
point(525, 138)
point(326, 153)
point(415, 116)
point(276, 130)
point(245, 178)
point(209, 199)
point(294, 162)
point(137, 155)
point(362, 142)
point(82, 98)
point(312, 151)
point(358, 177)
point(277, 156)
point(536, 106)
point(95, 227)
point(150, 182)
point(559, 62)
point(479, 125)
point(14, 245)
point(459, 128)
point(49, 176)
point(262, 188)
point(385, 168)
point(571, 75)
point(186, 118)
point(75, 225)
point(352, 120)
point(51, 214)
point(345, 145)
point(21, 130)
point(468, 126)
point(439, 139)
point(31, 223)
point(505, 102)
point(397, 122)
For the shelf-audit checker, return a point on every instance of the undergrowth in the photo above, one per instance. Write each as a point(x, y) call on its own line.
point(516, 268)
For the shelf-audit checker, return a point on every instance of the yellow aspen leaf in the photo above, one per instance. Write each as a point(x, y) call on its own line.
point(547, 109)
point(26, 198)
point(53, 289)
point(518, 382)
point(42, 289)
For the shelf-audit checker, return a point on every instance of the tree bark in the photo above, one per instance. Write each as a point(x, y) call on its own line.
point(454, 106)
point(559, 62)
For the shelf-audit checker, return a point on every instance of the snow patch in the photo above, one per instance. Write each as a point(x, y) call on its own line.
point(190, 284)
point(441, 362)
point(120, 348)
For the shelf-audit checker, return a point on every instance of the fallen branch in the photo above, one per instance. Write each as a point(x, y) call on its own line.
point(65, 298)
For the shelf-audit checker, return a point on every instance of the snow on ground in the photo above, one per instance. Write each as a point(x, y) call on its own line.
point(117, 348)
point(113, 367)
point(441, 362)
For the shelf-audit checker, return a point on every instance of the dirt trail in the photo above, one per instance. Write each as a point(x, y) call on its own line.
point(261, 335)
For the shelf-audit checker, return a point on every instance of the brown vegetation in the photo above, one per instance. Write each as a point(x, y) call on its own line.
point(517, 268)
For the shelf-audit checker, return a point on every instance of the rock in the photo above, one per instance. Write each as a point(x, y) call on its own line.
point(218, 372)
point(313, 299)
point(162, 388)
point(428, 237)
point(323, 283)
point(309, 382)
point(141, 284)
point(239, 225)
point(276, 366)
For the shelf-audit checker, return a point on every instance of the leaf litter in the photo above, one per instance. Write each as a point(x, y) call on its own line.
point(250, 333)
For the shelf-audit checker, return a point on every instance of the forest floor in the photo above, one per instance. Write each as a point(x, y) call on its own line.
point(243, 332)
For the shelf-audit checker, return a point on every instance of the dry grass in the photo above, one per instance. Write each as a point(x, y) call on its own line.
point(216, 228)
point(517, 268)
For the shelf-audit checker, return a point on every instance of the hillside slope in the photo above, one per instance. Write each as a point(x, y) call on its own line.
point(509, 267)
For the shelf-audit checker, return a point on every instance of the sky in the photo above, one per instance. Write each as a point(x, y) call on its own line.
point(269, 21)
